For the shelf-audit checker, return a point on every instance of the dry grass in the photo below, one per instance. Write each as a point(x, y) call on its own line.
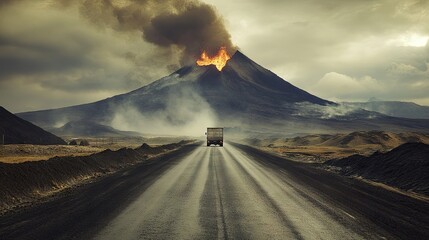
point(18, 153)
point(317, 153)
point(322, 147)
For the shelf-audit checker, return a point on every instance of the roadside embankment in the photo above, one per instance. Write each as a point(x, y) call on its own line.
point(405, 167)
point(24, 183)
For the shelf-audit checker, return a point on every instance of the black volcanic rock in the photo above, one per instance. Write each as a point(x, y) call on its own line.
point(245, 87)
point(262, 82)
point(19, 131)
point(405, 167)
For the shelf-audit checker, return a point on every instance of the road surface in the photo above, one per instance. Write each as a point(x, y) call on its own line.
point(234, 192)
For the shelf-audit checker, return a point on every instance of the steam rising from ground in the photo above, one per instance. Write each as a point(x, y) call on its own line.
point(337, 111)
point(186, 113)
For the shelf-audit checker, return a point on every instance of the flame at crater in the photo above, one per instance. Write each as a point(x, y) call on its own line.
point(219, 60)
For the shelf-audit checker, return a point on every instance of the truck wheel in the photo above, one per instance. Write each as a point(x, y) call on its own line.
point(208, 145)
point(221, 144)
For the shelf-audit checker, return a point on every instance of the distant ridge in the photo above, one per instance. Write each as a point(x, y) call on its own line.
point(394, 108)
point(386, 140)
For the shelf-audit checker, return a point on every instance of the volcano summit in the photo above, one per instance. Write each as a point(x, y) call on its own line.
point(243, 95)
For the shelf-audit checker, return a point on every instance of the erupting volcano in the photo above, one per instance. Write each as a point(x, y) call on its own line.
point(243, 95)
point(219, 60)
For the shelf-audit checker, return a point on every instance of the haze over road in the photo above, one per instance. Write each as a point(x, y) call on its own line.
point(234, 192)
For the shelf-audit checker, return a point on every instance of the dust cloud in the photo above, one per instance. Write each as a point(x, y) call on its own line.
point(185, 113)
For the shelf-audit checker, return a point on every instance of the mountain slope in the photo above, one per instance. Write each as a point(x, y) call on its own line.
point(243, 95)
point(243, 88)
point(84, 128)
point(394, 108)
point(17, 131)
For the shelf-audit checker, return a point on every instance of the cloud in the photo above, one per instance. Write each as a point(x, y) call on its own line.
point(102, 45)
point(341, 86)
point(111, 47)
point(189, 26)
point(57, 53)
point(405, 82)
point(303, 41)
point(26, 95)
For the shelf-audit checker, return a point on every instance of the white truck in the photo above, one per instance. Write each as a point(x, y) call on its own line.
point(215, 136)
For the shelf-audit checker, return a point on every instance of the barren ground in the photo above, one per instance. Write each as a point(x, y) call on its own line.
point(323, 147)
point(30, 182)
point(316, 153)
point(18, 153)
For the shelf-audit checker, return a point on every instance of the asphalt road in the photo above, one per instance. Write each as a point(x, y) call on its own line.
point(234, 192)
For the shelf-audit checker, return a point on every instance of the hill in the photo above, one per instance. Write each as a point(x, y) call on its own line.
point(24, 183)
point(323, 147)
point(384, 139)
point(18, 131)
point(405, 167)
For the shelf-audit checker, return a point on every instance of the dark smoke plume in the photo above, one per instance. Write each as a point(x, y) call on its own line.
point(185, 25)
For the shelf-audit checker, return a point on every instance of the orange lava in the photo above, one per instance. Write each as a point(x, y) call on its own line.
point(219, 60)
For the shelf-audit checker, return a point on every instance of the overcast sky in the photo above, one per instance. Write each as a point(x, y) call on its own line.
point(352, 50)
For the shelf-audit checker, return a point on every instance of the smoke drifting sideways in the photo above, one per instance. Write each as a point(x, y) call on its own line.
point(186, 27)
point(186, 113)
point(333, 111)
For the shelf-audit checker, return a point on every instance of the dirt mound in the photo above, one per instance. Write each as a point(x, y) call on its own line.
point(405, 167)
point(25, 182)
point(382, 138)
point(386, 140)
point(19, 131)
point(18, 153)
point(84, 142)
point(308, 140)
point(323, 147)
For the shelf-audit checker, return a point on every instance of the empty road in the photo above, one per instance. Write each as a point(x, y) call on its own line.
point(234, 192)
